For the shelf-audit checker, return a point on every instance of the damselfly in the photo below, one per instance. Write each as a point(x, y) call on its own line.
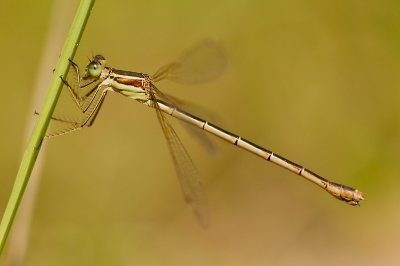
point(204, 61)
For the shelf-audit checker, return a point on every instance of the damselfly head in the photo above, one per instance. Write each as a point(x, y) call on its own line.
point(93, 69)
point(95, 66)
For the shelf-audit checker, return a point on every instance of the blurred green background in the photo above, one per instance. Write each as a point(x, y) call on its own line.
point(316, 82)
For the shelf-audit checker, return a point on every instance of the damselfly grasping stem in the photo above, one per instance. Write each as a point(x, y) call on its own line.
point(202, 62)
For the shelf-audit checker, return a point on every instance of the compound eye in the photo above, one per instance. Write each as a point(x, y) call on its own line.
point(94, 69)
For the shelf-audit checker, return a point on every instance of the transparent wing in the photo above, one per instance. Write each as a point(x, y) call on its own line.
point(198, 133)
point(202, 62)
point(188, 175)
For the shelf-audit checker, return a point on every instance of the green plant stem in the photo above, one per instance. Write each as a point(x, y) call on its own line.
point(42, 123)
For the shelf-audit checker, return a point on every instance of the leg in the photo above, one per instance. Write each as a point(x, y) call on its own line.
point(88, 121)
point(80, 100)
point(93, 114)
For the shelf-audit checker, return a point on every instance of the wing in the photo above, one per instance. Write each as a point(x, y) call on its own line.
point(202, 62)
point(188, 175)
